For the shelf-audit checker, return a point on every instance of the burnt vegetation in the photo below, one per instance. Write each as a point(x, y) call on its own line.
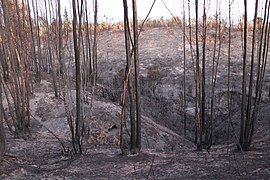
point(86, 98)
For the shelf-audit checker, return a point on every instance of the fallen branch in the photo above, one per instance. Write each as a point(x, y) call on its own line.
point(65, 150)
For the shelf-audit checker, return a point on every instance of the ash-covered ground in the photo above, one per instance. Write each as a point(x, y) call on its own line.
point(166, 153)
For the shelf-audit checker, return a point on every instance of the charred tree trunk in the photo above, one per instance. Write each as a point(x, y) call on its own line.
point(204, 127)
point(2, 132)
point(88, 48)
point(60, 41)
point(243, 107)
point(77, 143)
point(198, 86)
point(195, 76)
point(213, 79)
point(40, 60)
point(229, 78)
point(50, 49)
point(248, 114)
point(94, 53)
point(33, 48)
point(184, 92)
point(134, 94)
point(247, 128)
point(16, 88)
point(137, 76)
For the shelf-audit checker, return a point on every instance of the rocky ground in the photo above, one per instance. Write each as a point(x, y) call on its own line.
point(166, 154)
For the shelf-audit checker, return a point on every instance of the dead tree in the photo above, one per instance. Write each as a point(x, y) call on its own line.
point(229, 78)
point(192, 54)
point(249, 112)
point(88, 50)
point(134, 94)
point(33, 44)
point(198, 79)
point(60, 41)
point(137, 76)
point(94, 53)
point(213, 78)
point(17, 87)
point(204, 128)
point(184, 51)
point(77, 141)
point(2, 132)
point(40, 64)
point(50, 56)
point(128, 85)
point(243, 107)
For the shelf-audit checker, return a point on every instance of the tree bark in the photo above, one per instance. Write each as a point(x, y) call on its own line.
point(137, 76)
point(198, 87)
point(77, 142)
point(95, 45)
point(243, 107)
point(184, 51)
point(2, 132)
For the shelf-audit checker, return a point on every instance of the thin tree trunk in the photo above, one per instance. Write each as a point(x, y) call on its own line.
point(198, 89)
point(2, 132)
point(88, 48)
point(50, 49)
point(95, 45)
point(213, 74)
point(60, 40)
point(195, 75)
point(40, 60)
point(137, 76)
point(34, 54)
point(260, 71)
point(243, 107)
point(203, 98)
point(250, 89)
point(129, 82)
point(184, 51)
point(229, 78)
point(77, 143)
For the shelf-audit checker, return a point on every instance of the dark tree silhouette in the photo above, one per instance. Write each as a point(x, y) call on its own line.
point(2, 132)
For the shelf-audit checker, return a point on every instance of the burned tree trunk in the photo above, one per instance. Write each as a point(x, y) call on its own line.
point(77, 142)
point(134, 93)
point(94, 53)
point(16, 87)
point(184, 50)
point(197, 79)
point(137, 76)
point(2, 132)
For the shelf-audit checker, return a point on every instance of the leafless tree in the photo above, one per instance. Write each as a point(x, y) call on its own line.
point(2, 132)
point(184, 50)
point(229, 76)
point(250, 110)
point(198, 79)
point(50, 53)
point(134, 94)
point(88, 48)
point(16, 87)
point(60, 40)
point(193, 53)
point(137, 76)
point(77, 141)
point(33, 47)
point(243, 107)
point(94, 53)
